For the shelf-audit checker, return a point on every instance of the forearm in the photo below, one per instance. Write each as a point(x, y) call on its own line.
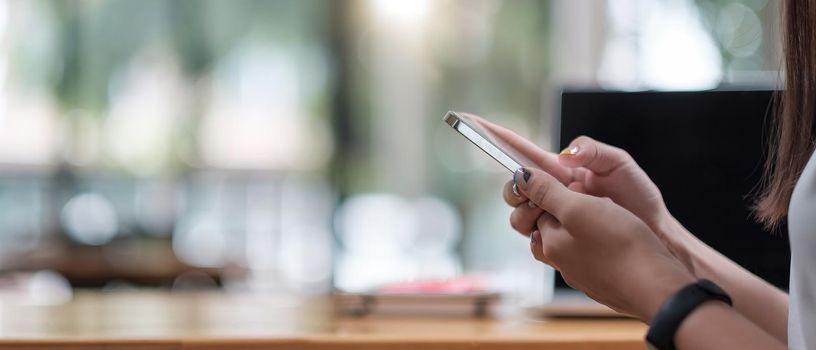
point(758, 301)
point(714, 325)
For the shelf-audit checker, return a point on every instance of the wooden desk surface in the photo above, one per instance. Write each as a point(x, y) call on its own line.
point(159, 320)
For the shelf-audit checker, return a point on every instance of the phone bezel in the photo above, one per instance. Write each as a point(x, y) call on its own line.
point(465, 127)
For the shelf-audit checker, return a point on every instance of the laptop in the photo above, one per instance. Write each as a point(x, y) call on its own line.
point(705, 151)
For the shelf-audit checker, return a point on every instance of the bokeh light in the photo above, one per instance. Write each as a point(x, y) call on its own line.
point(90, 219)
point(282, 146)
point(404, 14)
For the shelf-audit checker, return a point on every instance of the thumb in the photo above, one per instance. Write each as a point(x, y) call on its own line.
point(596, 156)
point(547, 193)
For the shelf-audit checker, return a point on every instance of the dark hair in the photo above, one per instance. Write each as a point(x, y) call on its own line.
point(793, 134)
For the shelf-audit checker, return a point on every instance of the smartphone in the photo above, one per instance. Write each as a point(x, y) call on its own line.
point(473, 129)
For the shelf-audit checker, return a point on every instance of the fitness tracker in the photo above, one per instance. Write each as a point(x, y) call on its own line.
point(677, 308)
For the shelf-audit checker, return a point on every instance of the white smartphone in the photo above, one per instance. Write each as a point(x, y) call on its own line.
point(473, 129)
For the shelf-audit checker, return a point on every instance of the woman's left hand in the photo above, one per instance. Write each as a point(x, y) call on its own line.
point(601, 248)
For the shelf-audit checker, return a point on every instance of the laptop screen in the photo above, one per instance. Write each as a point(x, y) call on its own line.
point(704, 150)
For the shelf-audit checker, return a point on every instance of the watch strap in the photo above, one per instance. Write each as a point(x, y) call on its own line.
point(675, 310)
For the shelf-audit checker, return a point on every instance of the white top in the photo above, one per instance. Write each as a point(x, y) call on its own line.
point(802, 231)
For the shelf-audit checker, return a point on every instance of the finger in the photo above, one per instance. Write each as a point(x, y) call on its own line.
point(556, 242)
point(511, 198)
point(546, 221)
point(573, 284)
point(580, 175)
point(548, 193)
point(547, 161)
point(577, 187)
point(549, 241)
point(596, 156)
point(536, 248)
point(523, 219)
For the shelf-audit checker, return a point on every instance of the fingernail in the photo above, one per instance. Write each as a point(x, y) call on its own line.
point(515, 188)
point(531, 204)
point(535, 237)
point(570, 151)
point(525, 174)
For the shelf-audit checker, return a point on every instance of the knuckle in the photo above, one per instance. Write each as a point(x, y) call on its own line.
point(600, 156)
point(539, 193)
point(517, 221)
point(569, 215)
point(624, 155)
point(514, 223)
point(536, 251)
point(583, 139)
point(545, 252)
point(569, 211)
point(507, 199)
point(543, 220)
point(517, 226)
point(569, 281)
point(550, 252)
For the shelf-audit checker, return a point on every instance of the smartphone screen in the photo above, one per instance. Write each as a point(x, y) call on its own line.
point(473, 128)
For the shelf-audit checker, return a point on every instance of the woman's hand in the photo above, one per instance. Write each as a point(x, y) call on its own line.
point(602, 170)
point(591, 167)
point(601, 248)
point(597, 169)
point(594, 168)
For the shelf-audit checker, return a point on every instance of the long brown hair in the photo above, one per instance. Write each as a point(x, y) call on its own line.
point(793, 134)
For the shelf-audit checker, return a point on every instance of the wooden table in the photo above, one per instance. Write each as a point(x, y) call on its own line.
point(163, 320)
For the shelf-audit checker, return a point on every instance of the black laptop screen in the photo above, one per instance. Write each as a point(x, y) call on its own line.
point(704, 150)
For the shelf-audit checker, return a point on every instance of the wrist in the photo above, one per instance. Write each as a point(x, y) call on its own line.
point(705, 311)
point(680, 242)
point(663, 289)
point(679, 308)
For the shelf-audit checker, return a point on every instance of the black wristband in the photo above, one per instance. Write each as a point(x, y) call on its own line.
point(675, 310)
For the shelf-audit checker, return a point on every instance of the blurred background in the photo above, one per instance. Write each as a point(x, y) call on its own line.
point(296, 146)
